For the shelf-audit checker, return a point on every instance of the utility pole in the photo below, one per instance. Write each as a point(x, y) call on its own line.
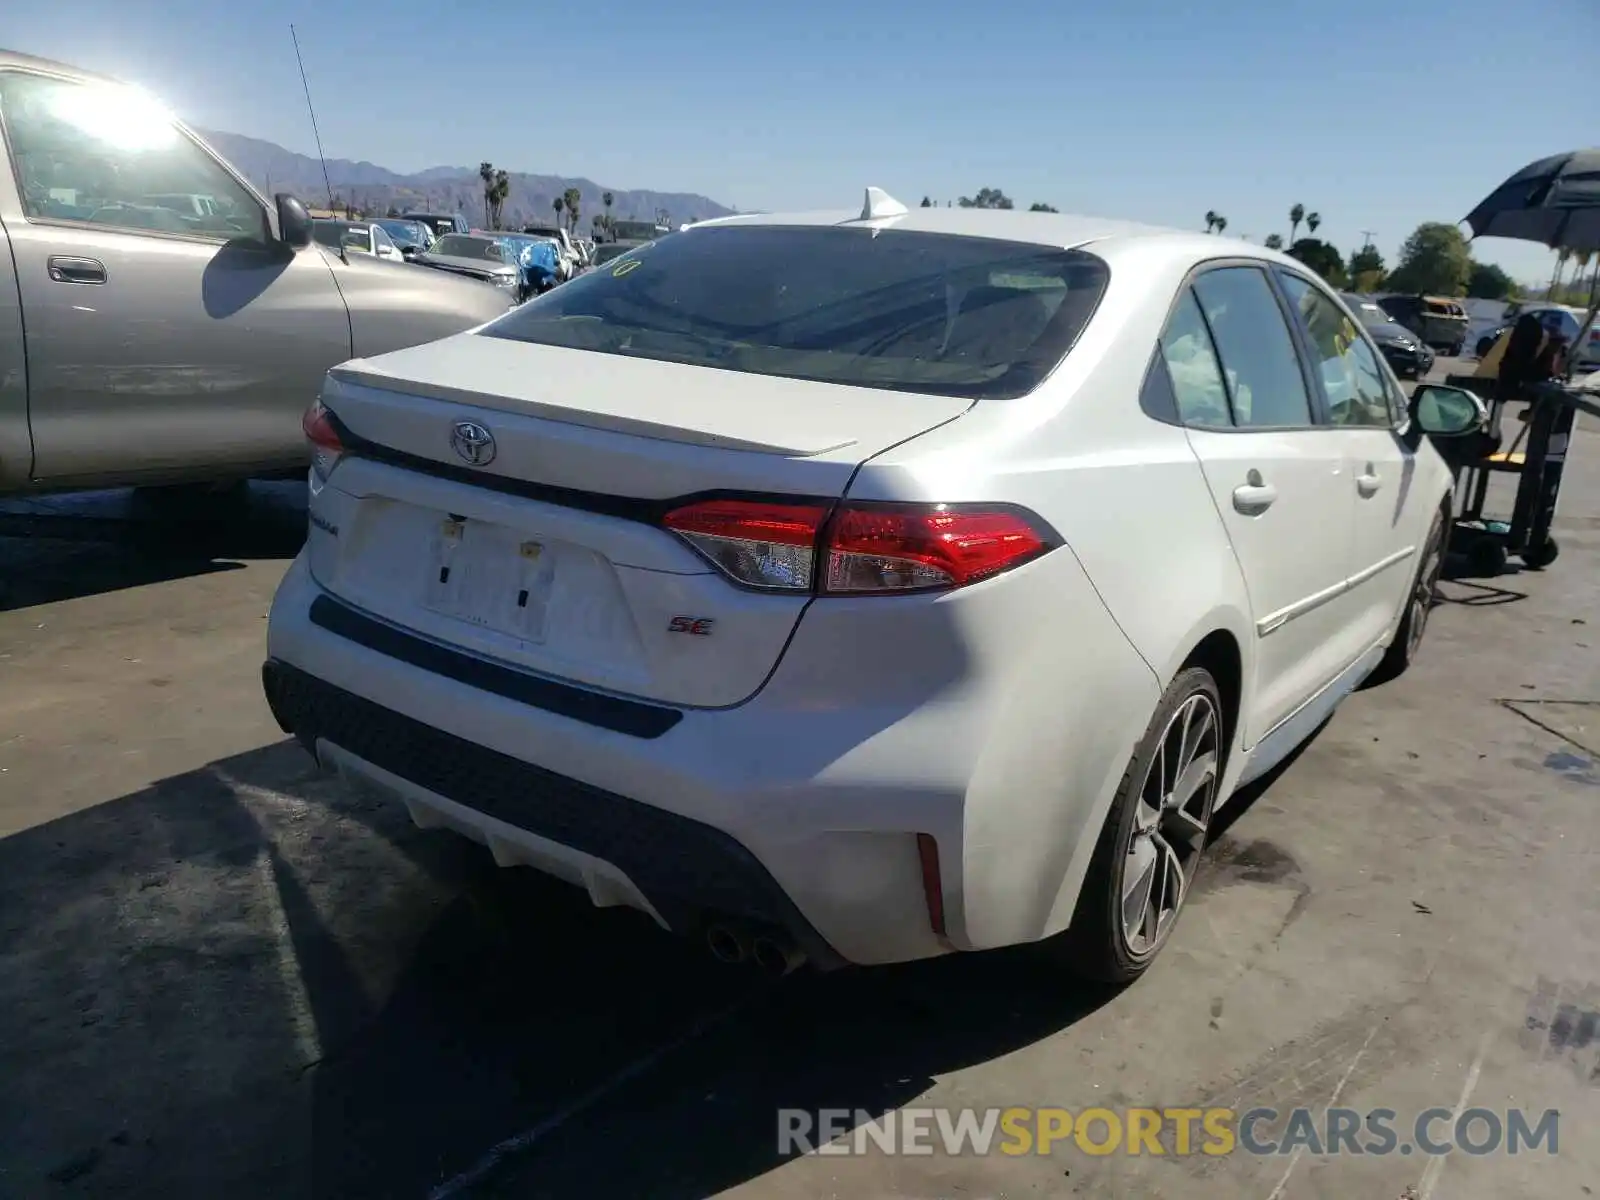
point(1367, 233)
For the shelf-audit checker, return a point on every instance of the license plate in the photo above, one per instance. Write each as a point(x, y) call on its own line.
point(489, 576)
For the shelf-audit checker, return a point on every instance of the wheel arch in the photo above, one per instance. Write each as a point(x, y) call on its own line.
point(1221, 641)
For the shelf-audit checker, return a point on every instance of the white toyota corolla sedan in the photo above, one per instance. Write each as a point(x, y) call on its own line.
point(856, 587)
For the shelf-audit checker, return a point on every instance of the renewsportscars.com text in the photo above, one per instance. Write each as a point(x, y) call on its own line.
point(1167, 1131)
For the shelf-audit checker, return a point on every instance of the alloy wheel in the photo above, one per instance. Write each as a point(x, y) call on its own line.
point(1422, 595)
point(1169, 829)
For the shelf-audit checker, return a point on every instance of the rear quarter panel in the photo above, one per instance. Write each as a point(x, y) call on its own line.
point(1124, 490)
point(1127, 495)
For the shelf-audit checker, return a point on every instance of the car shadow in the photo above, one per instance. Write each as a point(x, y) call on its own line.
point(1468, 594)
point(247, 980)
point(60, 547)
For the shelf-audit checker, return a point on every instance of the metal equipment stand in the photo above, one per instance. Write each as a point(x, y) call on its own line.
point(1539, 463)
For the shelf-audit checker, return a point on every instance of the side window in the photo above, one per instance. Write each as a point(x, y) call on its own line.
point(106, 155)
point(381, 239)
point(1256, 349)
point(1352, 377)
point(1192, 365)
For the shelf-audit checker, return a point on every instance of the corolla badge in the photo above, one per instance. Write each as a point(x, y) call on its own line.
point(473, 443)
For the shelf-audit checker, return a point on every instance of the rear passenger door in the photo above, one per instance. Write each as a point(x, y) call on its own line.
point(1278, 479)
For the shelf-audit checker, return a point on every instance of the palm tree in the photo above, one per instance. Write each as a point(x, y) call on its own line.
point(571, 199)
point(486, 173)
point(1562, 255)
point(502, 189)
point(1274, 241)
point(1222, 223)
point(1580, 264)
point(1211, 220)
point(558, 203)
point(1312, 221)
point(1296, 215)
point(606, 198)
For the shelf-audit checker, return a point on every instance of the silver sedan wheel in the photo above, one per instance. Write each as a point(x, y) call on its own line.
point(1169, 830)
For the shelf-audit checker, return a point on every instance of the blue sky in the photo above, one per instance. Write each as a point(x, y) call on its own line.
point(1378, 114)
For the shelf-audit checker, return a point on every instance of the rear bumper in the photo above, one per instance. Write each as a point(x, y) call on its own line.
point(799, 808)
point(681, 869)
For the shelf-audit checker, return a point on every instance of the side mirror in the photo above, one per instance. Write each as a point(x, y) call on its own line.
point(1447, 411)
point(294, 222)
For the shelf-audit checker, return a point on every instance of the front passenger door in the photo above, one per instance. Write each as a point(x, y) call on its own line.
point(1279, 481)
point(1364, 402)
point(167, 334)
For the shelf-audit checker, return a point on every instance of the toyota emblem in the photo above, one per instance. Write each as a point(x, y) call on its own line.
point(473, 443)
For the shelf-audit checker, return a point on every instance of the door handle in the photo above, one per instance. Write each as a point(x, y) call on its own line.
point(1369, 483)
point(67, 268)
point(1254, 497)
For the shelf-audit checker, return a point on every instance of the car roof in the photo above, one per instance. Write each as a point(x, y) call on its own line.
point(13, 58)
point(1060, 230)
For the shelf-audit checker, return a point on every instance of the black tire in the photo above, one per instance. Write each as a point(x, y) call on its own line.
point(1541, 556)
point(1487, 557)
point(1097, 945)
point(1402, 651)
point(1484, 346)
point(1455, 350)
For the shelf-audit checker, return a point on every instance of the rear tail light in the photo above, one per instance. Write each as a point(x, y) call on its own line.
point(770, 546)
point(865, 549)
point(896, 549)
point(326, 448)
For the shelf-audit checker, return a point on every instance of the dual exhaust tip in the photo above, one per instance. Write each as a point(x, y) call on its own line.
point(772, 953)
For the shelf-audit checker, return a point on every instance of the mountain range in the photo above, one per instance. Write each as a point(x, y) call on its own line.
point(376, 189)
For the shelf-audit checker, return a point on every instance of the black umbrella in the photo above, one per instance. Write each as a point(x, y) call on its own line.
point(1555, 201)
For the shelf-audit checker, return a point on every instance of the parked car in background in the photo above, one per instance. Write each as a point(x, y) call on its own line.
point(1585, 355)
point(439, 223)
point(475, 256)
point(569, 255)
point(1406, 352)
point(771, 586)
point(363, 237)
point(1439, 321)
point(410, 237)
point(173, 324)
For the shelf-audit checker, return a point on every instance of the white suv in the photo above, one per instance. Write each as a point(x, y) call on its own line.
point(865, 586)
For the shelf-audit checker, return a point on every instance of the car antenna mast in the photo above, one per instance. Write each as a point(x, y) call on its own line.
point(315, 132)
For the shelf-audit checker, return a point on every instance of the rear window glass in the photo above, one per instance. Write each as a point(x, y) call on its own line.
point(909, 311)
point(459, 245)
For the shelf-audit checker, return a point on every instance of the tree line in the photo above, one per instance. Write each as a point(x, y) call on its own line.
point(1435, 260)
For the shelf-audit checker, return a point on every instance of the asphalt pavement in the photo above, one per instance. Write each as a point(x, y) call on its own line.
point(222, 975)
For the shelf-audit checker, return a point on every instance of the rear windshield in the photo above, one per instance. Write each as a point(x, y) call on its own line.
point(909, 311)
point(457, 245)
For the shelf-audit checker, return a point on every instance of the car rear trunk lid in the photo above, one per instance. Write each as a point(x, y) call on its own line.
point(548, 553)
